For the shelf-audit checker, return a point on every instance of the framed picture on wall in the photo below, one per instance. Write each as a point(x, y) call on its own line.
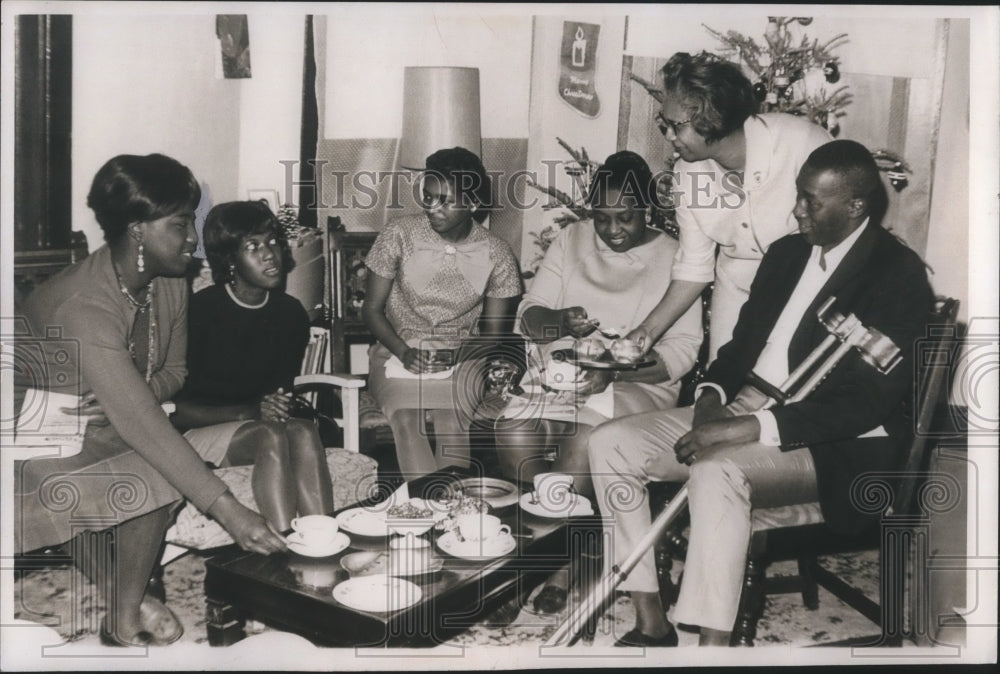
point(270, 197)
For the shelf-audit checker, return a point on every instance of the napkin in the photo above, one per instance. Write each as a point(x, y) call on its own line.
point(394, 369)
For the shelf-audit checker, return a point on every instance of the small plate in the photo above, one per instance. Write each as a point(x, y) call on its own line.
point(604, 363)
point(360, 564)
point(340, 542)
point(496, 493)
point(476, 550)
point(364, 522)
point(377, 593)
point(578, 506)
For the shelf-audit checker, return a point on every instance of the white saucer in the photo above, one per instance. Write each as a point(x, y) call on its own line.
point(364, 522)
point(577, 506)
point(377, 593)
point(339, 542)
point(489, 549)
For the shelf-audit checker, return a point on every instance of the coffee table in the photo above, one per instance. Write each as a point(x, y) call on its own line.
point(295, 593)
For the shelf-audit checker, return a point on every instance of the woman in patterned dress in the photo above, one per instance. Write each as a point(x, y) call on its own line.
point(441, 291)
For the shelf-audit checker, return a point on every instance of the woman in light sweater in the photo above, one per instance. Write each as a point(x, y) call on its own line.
point(612, 269)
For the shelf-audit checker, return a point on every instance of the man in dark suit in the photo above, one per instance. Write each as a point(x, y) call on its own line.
point(736, 457)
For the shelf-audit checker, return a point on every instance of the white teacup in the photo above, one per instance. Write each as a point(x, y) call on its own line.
point(479, 527)
point(553, 491)
point(314, 530)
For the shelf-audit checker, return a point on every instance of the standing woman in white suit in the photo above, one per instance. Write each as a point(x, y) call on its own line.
point(734, 188)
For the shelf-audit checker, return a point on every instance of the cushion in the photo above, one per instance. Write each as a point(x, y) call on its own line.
point(797, 515)
point(353, 476)
point(369, 412)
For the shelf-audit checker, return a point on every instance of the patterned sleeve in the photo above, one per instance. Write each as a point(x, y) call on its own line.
point(385, 254)
point(505, 279)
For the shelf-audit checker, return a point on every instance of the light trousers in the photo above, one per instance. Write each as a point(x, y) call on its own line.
point(724, 486)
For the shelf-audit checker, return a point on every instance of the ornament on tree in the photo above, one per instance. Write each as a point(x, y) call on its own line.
point(759, 92)
point(831, 71)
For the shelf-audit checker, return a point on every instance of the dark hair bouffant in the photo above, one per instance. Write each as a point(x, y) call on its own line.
point(132, 188)
point(466, 173)
point(853, 162)
point(228, 224)
point(627, 172)
point(716, 92)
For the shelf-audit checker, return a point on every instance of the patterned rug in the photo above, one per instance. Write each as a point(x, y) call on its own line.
point(64, 600)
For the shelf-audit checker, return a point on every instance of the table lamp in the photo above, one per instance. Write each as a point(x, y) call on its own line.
point(440, 110)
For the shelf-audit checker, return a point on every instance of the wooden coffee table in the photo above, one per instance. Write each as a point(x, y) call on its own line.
point(295, 593)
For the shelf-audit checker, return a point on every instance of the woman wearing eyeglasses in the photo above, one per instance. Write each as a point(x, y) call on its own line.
point(441, 288)
point(734, 188)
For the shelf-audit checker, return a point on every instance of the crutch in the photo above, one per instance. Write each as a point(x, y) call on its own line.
point(875, 348)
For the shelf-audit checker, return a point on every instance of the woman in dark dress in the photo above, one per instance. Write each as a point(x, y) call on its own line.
point(246, 340)
point(113, 328)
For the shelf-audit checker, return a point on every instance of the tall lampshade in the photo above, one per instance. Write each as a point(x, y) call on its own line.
point(440, 110)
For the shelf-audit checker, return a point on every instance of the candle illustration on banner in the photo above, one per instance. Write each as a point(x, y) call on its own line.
point(580, 48)
point(578, 66)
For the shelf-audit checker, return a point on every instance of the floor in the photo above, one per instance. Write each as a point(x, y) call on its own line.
point(64, 600)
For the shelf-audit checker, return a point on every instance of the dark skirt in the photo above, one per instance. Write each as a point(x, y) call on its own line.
point(105, 484)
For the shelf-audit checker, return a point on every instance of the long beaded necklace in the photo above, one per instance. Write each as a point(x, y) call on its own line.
point(142, 307)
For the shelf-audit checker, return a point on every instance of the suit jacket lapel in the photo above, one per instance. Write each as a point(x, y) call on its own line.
point(842, 284)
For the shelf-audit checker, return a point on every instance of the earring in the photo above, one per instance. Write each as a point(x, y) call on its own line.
point(232, 275)
point(140, 262)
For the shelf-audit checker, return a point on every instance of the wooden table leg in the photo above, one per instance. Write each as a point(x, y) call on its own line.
point(224, 624)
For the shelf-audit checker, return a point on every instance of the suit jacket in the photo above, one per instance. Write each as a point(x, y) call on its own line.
point(885, 285)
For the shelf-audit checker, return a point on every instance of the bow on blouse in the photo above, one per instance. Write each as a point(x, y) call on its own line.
point(471, 259)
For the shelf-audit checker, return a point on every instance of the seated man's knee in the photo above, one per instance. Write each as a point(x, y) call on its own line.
point(718, 478)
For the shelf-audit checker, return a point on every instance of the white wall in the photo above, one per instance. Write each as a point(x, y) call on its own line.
point(552, 117)
point(367, 50)
point(148, 82)
point(270, 118)
point(948, 233)
point(145, 83)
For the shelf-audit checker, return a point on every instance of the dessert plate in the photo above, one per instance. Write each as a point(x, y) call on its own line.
point(360, 564)
point(339, 542)
point(605, 362)
point(476, 550)
point(576, 506)
point(364, 522)
point(377, 593)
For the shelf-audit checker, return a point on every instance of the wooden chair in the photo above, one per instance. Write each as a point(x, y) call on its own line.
point(894, 496)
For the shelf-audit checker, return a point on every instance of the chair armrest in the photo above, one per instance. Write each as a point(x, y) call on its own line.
point(351, 387)
point(343, 381)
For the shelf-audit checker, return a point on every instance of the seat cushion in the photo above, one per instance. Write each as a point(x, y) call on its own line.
point(369, 412)
point(797, 515)
point(353, 476)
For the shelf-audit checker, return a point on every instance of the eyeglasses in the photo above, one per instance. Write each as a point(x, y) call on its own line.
point(665, 124)
point(435, 201)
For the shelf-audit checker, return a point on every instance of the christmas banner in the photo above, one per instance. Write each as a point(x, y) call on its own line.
point(578, 65)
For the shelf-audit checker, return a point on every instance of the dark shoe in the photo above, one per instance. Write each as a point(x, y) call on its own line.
point(162, 624)
point(504, 615)
point(551, 599)
point(155, 588)
point(638, 639)
point(141, 638)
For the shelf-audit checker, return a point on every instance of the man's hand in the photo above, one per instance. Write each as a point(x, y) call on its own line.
point(575, 322)
point(728, 432)
point(709, 407)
